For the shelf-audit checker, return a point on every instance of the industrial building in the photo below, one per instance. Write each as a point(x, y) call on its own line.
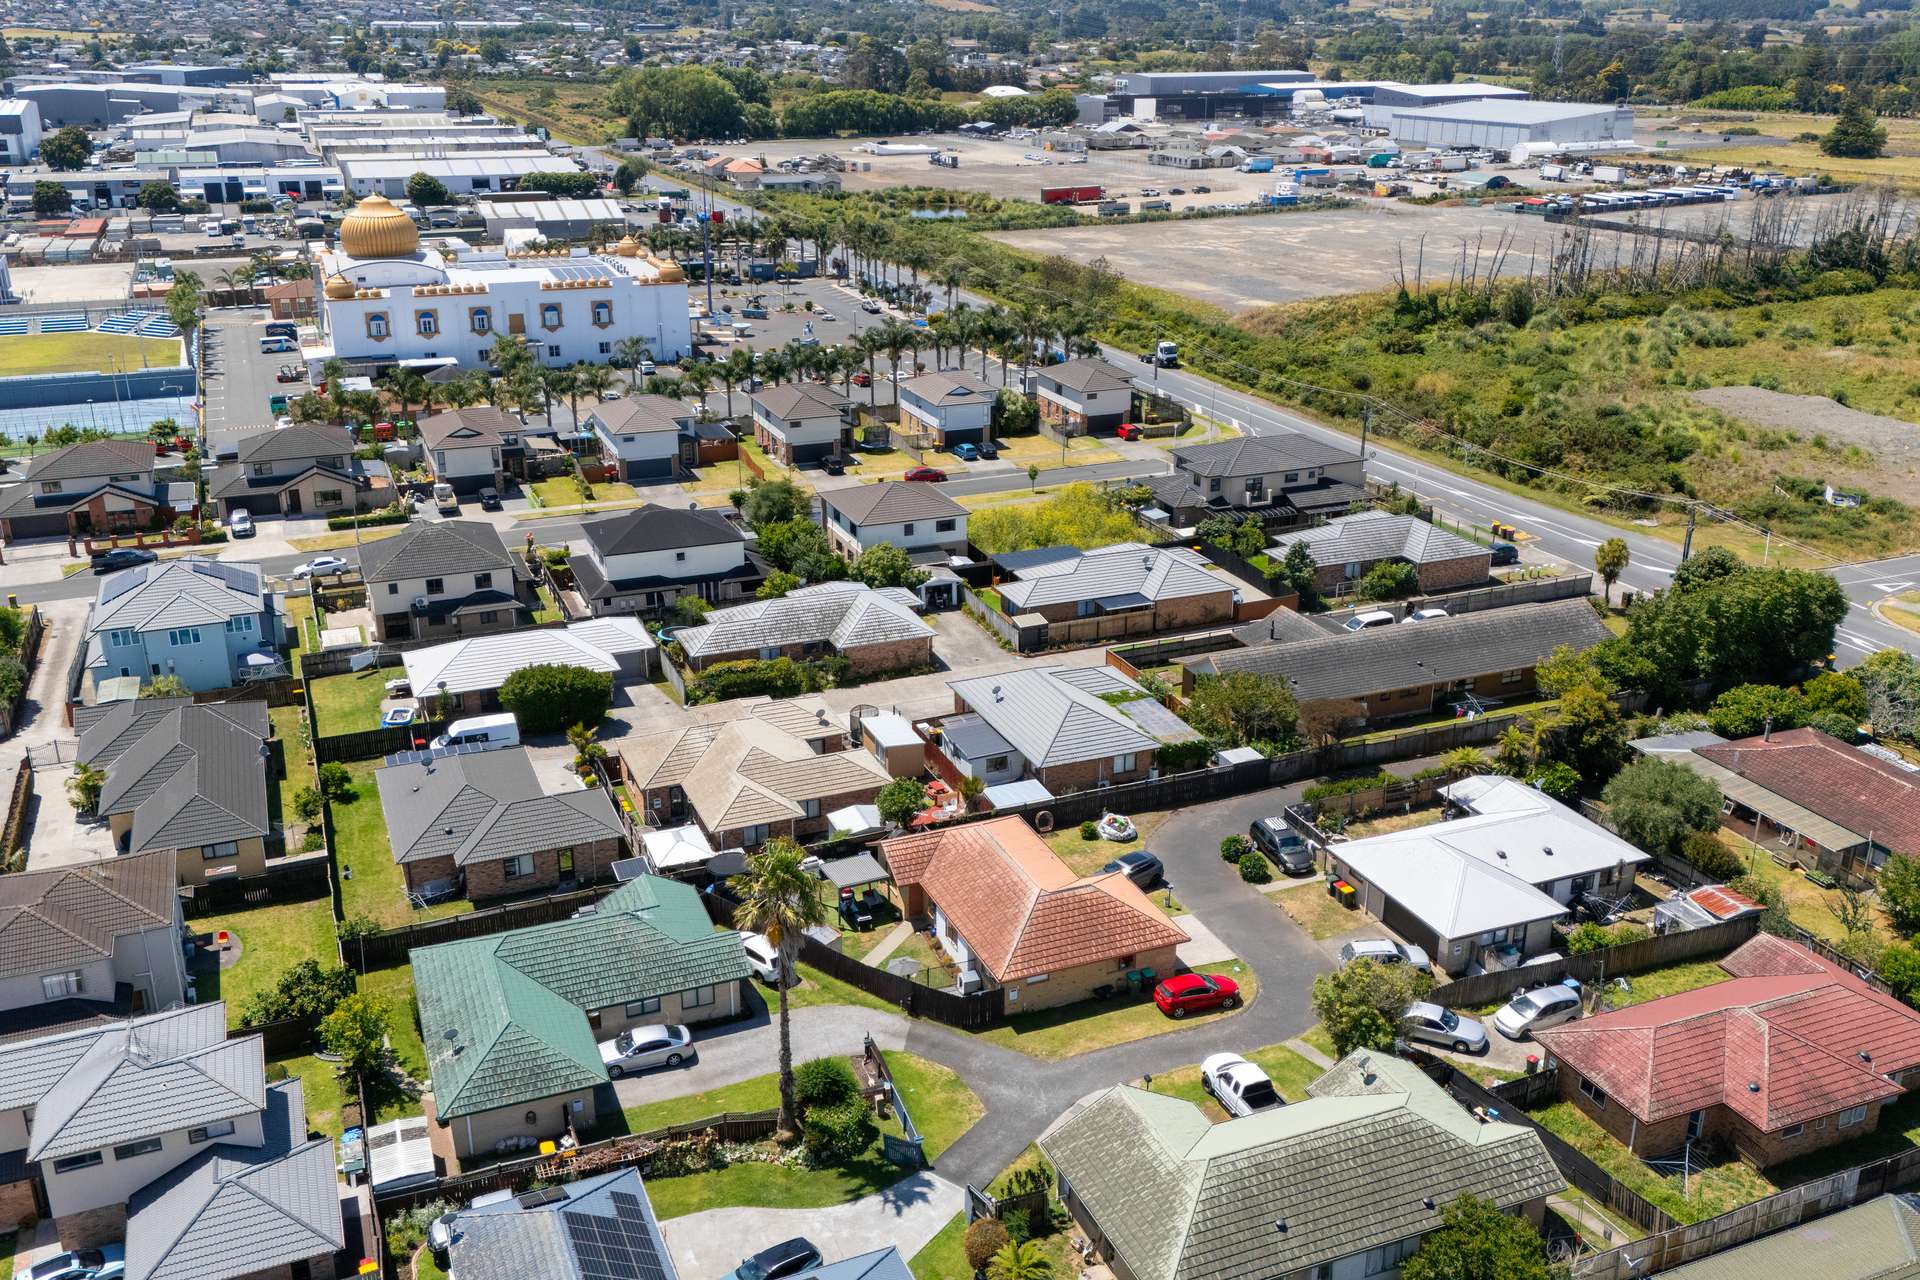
point(555, 220)
point(1389, 99)
point(463, 174)
point(19, 130)
point(1195, 95)
point(1502, 126)
point(99, 105)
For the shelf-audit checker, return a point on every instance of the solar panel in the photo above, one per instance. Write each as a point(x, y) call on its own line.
point(622, 1247)
point(122, 582)
point(545, 1195)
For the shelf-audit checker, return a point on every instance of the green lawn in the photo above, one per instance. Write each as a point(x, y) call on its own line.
point(549, 610)
point(86, 352)
point(1320, 1038)
point(1290, 1073)
point(817, 988)
point(394, 988)
point(425, 1268)
point(762, 1093)
point(1709, 1191)
point(370, 880)
point(305, 638)
point(1096, 1024)
point(1087, 856)
point(326, 1093)
point(296, 759)
point(1668, 981)
point(272, 940)
point(348, 702)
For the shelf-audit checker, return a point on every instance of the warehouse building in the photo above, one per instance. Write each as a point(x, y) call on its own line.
point(1389, 99)
point(462, 175)
point(1196, 95)
point(554, 220)
point(99, 105)
point(1502, 125)
point(19, 130)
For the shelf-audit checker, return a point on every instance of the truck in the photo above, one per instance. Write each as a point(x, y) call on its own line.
point(1165, 354)
point(1257, 164)
point(1071, 195)
point(1156, 206)
point(1609, 173)
point(1382, 160)
point(1451, 162)
point(445, 499)
point(1113, 208)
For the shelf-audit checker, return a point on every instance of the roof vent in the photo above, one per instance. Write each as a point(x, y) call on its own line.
point(1753, 1086)
point(1500, 854)
point(1547, 849)
point(996, 694)
point(1865, 1056)
point(1426, 1202)
point(1280, 1225)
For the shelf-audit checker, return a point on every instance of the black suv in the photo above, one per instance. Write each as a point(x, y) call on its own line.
point(788, 1258)
point(121, 558)
point(1274, 838)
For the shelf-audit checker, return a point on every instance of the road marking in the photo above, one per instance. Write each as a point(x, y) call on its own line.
point(1888, 588)
point(1858, 642)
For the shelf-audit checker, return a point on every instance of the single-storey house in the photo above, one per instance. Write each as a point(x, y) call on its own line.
point(1174, 586)
point(468, 673)
point(575, 1231)
point(1346, 549)
point(1083, 396)
point(645, 560)
point(1875, 1240)
point(641, 435)
point(874, 630)
point(1069, 728)
point(1008, 913)
point(798, 422)
point(195, 785)
point(948, 408)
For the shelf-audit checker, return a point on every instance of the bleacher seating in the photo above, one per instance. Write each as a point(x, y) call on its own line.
point(12, 326)
point(157, 325)
point(64, 322)
point(121, 322)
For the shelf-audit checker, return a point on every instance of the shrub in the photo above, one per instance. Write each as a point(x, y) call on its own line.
point(1089, 830)
point(336, 783)
point(406, 1232)
point(1590, 936)
point(1233, 848)
point(1711, 858)
point(549, 697)
point(370, 519)
point(900, 799)
point(1347, 786)
point(836, 1134)
point(1254, 868)
point(307, 992)
point(823, 1082)
point(306, 804)
point(1017, 1223)
point(984, 1238)
point(1561, 781)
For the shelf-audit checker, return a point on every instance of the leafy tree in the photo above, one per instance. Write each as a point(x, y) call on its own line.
point(1388, 580)
point(1900, 966)
point(158, 197)
point(900, 799)
point(1476, 1241)
point(165, 687)
point(692, 103)
point(66, 149)
point(1557, 779)
point(779, 900)
point(307, 992)
point(1298, 568)
point(547, 697)
point(307, 804)
point(1710, 857)
point(1586, 732)
point(1835, 692)
point(50, 200)
point(13, 677)
point(1243, 708)
point(1746, 709)
point(1900, 893)
point(1465, 762)
point(1015, 414)
point(1567, 668)
point(572, 183)
point(1705, 566)
point(628, 175)
point(1757, 626)
point(425, 189)
point(84, 787)
point(1361, 1004)
point(1890, 679)
point(336, 782)
point(356, 1032)
point(888, 566)
point(774, 502)
point(800, 547)
point(1610, 560)
point(1856, 135)
point(691, 610)
point(777, 584)
point(1774, 917)
point(985, 1237)
point(1656, 804)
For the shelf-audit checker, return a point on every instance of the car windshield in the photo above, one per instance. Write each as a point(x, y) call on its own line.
point(625, 1043)
point(1537, 1001)
point(1449, 1019)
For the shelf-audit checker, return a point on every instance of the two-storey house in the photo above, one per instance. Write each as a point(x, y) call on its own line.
point(445, 578)
point(910, 514)
point(947, 408)
point(644, 560)
point(465, 446)
point(305, 469)
point(641, 435)
point(1084, 396)
point(209, 622)
point(800, 422)
point(1282, 479)
point(93, 488)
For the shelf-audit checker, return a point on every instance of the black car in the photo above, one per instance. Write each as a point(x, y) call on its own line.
point(121, 558)
point(489, 499)
point(1274, 838)
point(1141, 867)
point(282, 329)
point(833, 466)
point(1505, 553)
point(788, 1258)
point(988, 449)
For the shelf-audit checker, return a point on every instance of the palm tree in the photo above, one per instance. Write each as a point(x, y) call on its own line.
point(847, 361)
point(870, 344)
point(596, 380)
point(894, 339)
point(562, 382)
point(775, 367)
point(779, 900)
point(630, 354)
point(697, 377)
point(1465, 762)
point(735, 370)
point(1020, 1260)
point(952, 277)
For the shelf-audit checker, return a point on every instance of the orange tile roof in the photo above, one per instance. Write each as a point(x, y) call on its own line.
point(1020, 909)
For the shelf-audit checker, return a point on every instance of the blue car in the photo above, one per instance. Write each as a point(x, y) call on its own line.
point(966, 453)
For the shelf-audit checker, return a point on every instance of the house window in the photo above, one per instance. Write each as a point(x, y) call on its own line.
point(240, 624)
point(1292, 477)
point(1389, 1256)
point(73, 1164)
point(1793, 1131)
point(1213, 486)
point(679, 556)
point(1125, 763)
point(440, 460)
point(755, 835)
point(996, 763)
point(520, 864)
point(263, 468)
point(810, 808)
point(181, 636)
point(481, 581)
point(553, 351)
point(393, 588)
point(134, 1150)
point(1493, 936)
point(643, 1008)
point(377, 325)
point(58, 986)
point(907, 530)
point(120, 638)
point(480, 320)
point(1511, 677)
point(427, 323)
point(436, 585)
point(606, 348)
point(1594, 1094)
point(603, 313)
point(550, 315)
point(698, 998)
point(49, 486)
point(218, 1129)
point(327, 497)
point(1852, 1116)
point(943, 526)
point(215, 852)
point(489, 616)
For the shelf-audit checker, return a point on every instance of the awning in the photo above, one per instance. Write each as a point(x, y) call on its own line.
point(676, 847)
point(1009, 795)
point(1126, 600)
point(855, 820)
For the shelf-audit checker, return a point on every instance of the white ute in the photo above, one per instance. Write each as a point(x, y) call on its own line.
point(1237, 1084)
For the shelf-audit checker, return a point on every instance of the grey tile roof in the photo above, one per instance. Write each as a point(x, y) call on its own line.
point(1378, 535)
point(301, 442)
point(236, 1211)
point(949, 387)
point(1086, 374)
point(92, 458)
point(1381, 658)
point(880, 1264)
point(1122, 569)
point(30, 1069)
point(234, 480)
point(430, 549)
point(484, 807)
point(793, 400)
point(846, 615)
point(196, 777)
point(513, 1240)
point(656, 528)
point(67, 917)
point(892, 502)
point(1878, 1240)
point(473, 426)
point(192, 592)
point(1050, 720)
point(1347, 1170)
point(1261, 455)
point(1279, 627)
point(637, 415)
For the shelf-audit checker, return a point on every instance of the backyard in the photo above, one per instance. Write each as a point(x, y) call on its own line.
point(945, 1256)
point(1087, 856)
point(267, 941)
point(392, 1097)
point(348, 702)
point(371, 883)
point(1707, 1192)
point(295, 770)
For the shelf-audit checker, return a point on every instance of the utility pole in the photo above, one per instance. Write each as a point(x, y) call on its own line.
point(1686, 544)
point(1366, 424)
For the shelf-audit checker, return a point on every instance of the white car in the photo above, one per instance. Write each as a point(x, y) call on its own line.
point(763, 957)
point(1529, 1011)
point(1237, 1084)
point(1424, 615)
point(826, 317)
point(240, 524)
point(648, 368)
point(638, 1048)
point(1371, 618)
point(322, 567)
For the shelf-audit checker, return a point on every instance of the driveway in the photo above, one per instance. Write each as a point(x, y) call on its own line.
point(708, 1245)
point(962, 643)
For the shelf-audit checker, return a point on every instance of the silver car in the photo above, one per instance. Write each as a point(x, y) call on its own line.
point(638, 1048)
point(1444, 1027)
point(1529, 1011)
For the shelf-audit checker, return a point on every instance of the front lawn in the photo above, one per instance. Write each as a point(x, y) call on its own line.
point(272, 939)
point(942, 1106)
point(762, 1093)
point(1096, 1024)
point(1709, 1192)
point(1318, 914)
point(370, 881)
point(820, 988)
point(1670, 980)
point(1086, 857)
point(1290, 1073)
point(348, 702)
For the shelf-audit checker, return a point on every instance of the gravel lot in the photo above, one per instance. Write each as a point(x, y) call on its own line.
point(1894, 444)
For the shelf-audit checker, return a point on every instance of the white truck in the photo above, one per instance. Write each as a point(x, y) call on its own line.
point(1237, 1085)
point(1165, 354)
point(445, 499)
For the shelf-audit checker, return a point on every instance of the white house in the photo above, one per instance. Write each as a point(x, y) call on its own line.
point(1082, 396)
point(910, 514)
point(800, 422)
point(464, 446)
point(209, 622)
point(954, 407)
point(641, 435)
point(644, 560)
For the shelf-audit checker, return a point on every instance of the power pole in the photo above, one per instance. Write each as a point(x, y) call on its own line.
point(1366, 423)
point(1686, 544)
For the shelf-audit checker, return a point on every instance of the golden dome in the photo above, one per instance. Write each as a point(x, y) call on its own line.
point(669, 272)
point(377, 229)
point(340, 288)
point(628, 247)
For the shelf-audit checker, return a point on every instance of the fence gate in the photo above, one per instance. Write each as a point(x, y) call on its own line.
point(46, 755)
point(979, 1204)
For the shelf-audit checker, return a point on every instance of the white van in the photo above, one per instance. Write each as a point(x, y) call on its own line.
point(481, 733)
point(277, 346)
point(1371, 618)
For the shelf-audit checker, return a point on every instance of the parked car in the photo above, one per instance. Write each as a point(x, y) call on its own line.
point(1237, 1084)
point(1130, 431)
point(1141, 867)
point(932, 475)
point(1435, 1025)
point(1504, 553)
point(834, 465)
point(871, 307)
point(825, 317)
point(788, 1258)
point(489, 498)
point(863, 379)
point(1201, 189)
point(1424, 615)
point(966, 453)
point(1384, 951)
point(240, 524)
point(401, 688)
point(988, 450)
point(282, 329)
point(322, 567)
point(108, 1262)
point(1186, 993)
point(648, 368)
point(1529, 1011)
point(637, 1048)
point(122, 558)
point(1279, 842)
point(1369, 618)
point(762, 957)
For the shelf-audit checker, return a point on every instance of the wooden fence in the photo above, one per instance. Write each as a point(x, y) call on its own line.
point(1597, 966)
point(369, 744)
point(1134, 658)
point(12, 832)
point(287, 879)
point(10, 712)
point(1563, 586)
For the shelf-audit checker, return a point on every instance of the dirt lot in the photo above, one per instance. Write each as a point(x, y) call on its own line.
point(1890, 440)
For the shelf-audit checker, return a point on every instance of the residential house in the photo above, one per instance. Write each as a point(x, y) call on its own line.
point(875, 631)
point(212, 623)
point(1283, 479)
point(1009, 914)
point(1876, 1240)
point(1481, 892)
point(305, 469)
point(97, 487)
point(162, 1132)
point(1343, 1184)
point(1801, 788)
point(1083, 396)
point(798, 422)
point(641, 435)
point(1056, 725)
point(947, 408)
point(89, 941)
point(910, 514)
point(877, 1264)
point(599, 1228)
point(777, 770)
point(485, 820)
point(293, 300)
point(1161, 589)
point(468, 673)
point(465, 447)
point(1791, 1055)
point(1391, 673)
point(512, 1021)
point(194, 785)
point(645, 560)
point(445, 578)
point(1346, 549)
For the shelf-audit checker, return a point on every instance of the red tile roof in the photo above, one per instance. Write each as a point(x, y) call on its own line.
point(1834, 780)
point(1020, 909)
point(1787, 1039)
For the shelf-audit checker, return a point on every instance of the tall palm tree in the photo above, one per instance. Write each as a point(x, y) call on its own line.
point(775, 367)
point(952, 276)
point(562, 382)
point(779, 900)
point(630, 354)
point(697, 377)
point(847, 361)
point(735, 370)
point(596, 380)
point(870, 344)
point(894, 339)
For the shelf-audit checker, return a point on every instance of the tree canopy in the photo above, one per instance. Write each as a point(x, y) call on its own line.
point(1361, 1004)
point(1476, 1241)
point(1657, 804)
point(66, 149)
point(1244, 708)
point(550, 697)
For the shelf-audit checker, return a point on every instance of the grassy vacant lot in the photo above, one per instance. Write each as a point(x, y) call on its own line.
point(348, 702)
point(272, 939)
point(571, 111)
point(85, 353)
point(1096, 1024)
point(1709, 1191)
point(1319, 915)
point(1290, 1073)
point(371, 883)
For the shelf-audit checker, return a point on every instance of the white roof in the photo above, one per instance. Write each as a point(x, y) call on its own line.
point(856, 820)
point(1535, 836)
point(890, 730)
point(1495, 111)
point(676, 847)
point(1008, 795)
point(399, 1151)
point(484, 662)
point(471, 164)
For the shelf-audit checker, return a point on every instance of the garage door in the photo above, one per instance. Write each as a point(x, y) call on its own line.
point(1403, 922)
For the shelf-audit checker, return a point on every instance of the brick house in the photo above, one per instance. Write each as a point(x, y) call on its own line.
point(798, 422)
point(1174, 585)
point(485, 819)
point(1007, 911)
point(1346, 550)
point(876, 631)
point(95, 487)
point(1067, 727)
point(1790, 1055)
point(293, 300)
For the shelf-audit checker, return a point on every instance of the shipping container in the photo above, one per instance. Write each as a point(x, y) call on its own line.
point(1071, 195)
point(1257, 164)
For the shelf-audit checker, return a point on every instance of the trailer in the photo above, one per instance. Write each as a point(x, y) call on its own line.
point(1156, 206)
point(1071, 195)
point(1257, 164)
point(1113, 208)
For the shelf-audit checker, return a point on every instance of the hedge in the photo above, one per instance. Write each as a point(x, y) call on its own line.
point(371, 519)
point(1347, 786)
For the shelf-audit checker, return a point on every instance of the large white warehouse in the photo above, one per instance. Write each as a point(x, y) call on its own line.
point(462, 174)
point(1503, 125)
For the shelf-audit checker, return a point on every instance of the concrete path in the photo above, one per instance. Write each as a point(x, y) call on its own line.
point(1202, 946)
point(1310, 1053)
point(895, 939)
point(710, 1244)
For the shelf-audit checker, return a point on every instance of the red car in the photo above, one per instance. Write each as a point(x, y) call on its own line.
point(930, 474)
point(863, 379)
point(1189, 992)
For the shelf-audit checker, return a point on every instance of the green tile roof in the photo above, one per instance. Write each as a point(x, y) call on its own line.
point(516, 1002)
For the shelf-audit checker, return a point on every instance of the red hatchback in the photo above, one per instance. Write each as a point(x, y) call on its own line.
point(931, 474)
point(1190, 992)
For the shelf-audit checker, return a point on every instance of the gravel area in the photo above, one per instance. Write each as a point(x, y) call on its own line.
point(1891, 441)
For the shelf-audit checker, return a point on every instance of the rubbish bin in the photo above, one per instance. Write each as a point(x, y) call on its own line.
point(1346, 895)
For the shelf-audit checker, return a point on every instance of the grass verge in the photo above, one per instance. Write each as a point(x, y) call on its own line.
point(1097, 1024)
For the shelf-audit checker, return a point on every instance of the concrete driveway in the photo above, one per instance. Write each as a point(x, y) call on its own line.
point(708, 1245)
point(962, 643)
